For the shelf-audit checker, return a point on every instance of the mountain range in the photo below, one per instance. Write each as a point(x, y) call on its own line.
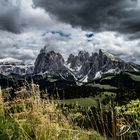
point(14, 66)
point(82, 67)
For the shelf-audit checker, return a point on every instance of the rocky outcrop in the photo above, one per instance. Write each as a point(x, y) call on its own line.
point(77, 61)
point(50, 62)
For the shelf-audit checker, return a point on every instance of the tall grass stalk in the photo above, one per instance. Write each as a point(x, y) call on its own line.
point(28, 117)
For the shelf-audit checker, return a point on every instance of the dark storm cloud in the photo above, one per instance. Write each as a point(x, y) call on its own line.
point(120, 15)
point(9, 17)
point(9, 22)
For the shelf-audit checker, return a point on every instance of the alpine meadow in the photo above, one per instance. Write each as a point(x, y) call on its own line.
point(69, 70)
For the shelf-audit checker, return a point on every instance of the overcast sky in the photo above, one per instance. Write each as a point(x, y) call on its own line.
point(68, 26)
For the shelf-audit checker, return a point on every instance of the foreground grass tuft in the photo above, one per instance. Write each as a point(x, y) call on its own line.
point(31, 118)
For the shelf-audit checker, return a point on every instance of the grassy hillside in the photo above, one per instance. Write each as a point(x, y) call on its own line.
point(90, 101)
point(57, 109)
point(28, 117)
point(85, 102)
point(31, 118)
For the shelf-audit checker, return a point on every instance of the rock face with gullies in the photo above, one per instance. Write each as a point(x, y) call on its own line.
point(49, 61)
point(77, 61)
point(81, 65)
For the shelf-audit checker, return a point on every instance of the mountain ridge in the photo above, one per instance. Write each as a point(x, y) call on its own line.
point(13, 66)
point(81, 66)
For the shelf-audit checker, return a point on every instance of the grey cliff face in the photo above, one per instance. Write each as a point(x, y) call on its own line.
point(76, 61)
point(51, 62)
point(81, 65)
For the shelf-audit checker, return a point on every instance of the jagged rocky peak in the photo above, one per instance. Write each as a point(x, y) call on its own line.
point(83, 55)
point(106, 55)
point(77, 61)
point(49, 61)
point(44, 50)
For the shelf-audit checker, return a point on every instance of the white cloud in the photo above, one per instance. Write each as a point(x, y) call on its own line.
point(110, 41)
point(37, 32)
